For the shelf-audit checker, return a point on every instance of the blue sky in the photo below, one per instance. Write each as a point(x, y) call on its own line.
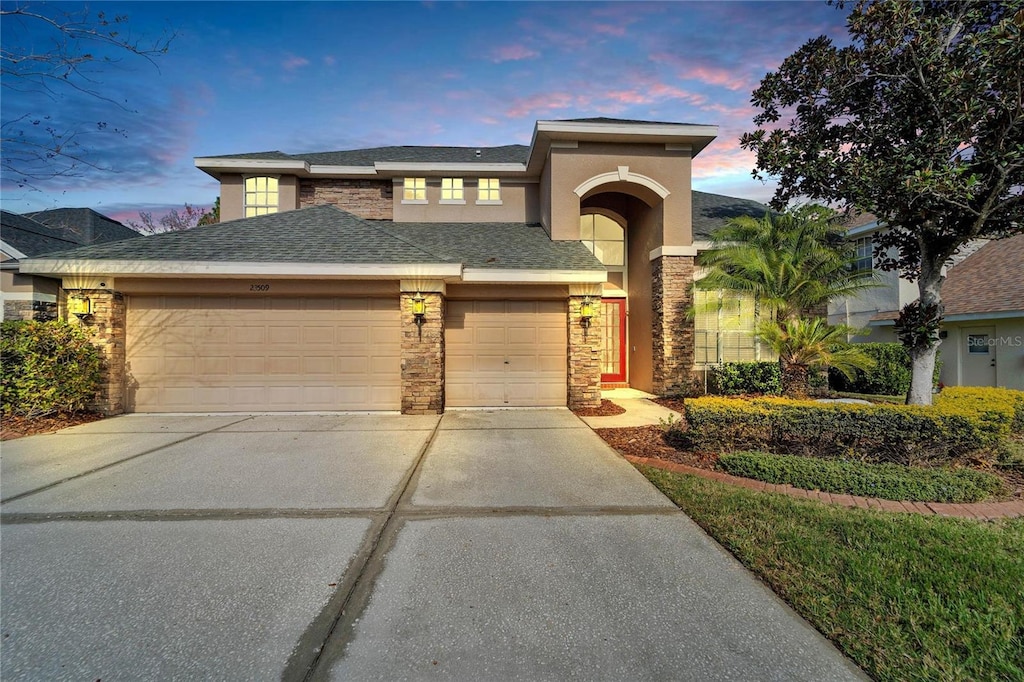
point(321, 76)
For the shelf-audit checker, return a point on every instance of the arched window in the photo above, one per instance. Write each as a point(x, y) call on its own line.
point(604, 237)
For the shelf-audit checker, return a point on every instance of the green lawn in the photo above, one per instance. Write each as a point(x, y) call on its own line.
point(907, 597)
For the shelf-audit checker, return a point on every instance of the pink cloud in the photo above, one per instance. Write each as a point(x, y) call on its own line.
point(687, 69)
point(292, 62)
point(609, 29)
point(541, 102)
point(512, 53)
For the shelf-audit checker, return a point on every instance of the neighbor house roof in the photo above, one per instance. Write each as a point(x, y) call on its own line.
point(83, 225)
point(711, 211)
point(29, 237)
point(329, 235)
point(988, 281)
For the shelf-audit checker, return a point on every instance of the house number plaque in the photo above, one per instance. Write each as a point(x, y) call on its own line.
point(259, 287)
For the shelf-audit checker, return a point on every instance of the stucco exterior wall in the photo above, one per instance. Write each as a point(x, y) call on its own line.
point(570, 168)
point(520, 202)
point(1008, 351)
point(232, 198)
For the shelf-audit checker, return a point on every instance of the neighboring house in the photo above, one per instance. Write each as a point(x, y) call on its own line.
point(983, 296)
point(417, 278)
point(35, 234)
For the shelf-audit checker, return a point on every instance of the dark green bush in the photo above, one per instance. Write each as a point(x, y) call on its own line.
point(46, 367)
point(886, 481)
point(736, 378)
point(889, 376)
point(905, 434)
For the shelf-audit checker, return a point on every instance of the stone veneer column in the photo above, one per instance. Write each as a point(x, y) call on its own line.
point(106, 330)
point(584, 376)
point(423, 356)
point(673, 337)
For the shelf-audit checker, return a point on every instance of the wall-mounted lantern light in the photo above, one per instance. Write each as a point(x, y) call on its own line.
point(419, 311)
point(586, 313)
point(79, 306)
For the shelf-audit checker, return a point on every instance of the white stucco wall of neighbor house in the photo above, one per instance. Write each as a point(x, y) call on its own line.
point(995, 359)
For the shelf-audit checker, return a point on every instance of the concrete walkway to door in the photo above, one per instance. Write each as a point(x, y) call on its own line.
point(484, 545)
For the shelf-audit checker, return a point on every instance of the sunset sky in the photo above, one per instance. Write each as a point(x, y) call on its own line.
point(323, 76)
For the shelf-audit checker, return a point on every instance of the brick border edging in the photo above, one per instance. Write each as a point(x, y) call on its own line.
point(982, 511)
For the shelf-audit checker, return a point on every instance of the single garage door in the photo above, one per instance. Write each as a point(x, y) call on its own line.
point(505, 353)
point(200, 353)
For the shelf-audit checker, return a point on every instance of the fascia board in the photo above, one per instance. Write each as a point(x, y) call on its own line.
point(319, 169)
point(241, 165)
point(151, 268)
point(11, 251)
point(522, 276)
point(978, 317)
point(470, 168)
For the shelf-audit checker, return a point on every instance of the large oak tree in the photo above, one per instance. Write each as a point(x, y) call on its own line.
point(919, 120)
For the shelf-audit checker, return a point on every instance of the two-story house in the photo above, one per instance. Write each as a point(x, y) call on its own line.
point(417, 278)
point(982, 333)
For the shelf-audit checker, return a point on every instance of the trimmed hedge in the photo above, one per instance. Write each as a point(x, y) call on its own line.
point(955, 426)
point(736, 378)
point(886, 481)
point(986, 400)
point(46, 367)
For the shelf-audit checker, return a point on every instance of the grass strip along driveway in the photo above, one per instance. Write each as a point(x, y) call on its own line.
point(906, 597)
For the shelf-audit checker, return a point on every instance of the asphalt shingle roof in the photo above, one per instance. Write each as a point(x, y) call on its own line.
point(711, 211)
point(31, 237)
point(991, 280)
point(498, 245)
point(83, 225)
point(320, 234)
point(513, 153)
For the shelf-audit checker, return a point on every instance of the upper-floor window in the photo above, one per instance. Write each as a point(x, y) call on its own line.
point(415, 189)
point(488, 189)
point(260, 195)
point(604, 237)
point(865, 254)
point(451, 189)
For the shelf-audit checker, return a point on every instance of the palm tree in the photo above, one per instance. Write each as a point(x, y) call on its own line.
point(791, 263)
point(806, 344)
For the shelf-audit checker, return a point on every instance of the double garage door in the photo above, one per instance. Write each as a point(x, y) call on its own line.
point(238, 354)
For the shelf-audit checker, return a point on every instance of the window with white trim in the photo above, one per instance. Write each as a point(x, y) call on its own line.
point(488, 190)
point(724, 326)
point(415, 189)
point(865, 249)
point(452, 190)
point(261, 195)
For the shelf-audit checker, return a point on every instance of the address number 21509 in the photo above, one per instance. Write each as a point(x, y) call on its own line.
point(259, 287)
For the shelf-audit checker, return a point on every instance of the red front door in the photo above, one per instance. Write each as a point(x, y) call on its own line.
point(613, 355)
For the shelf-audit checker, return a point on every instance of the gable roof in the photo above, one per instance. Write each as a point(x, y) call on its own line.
point(83, 225)
point(29, 237)
point(711, 211)
point(328, 235)
point(987, 281)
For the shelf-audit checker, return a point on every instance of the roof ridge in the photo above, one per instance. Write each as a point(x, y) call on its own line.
point(49, 235)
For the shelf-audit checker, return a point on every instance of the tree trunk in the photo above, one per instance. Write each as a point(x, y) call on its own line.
point(922, 360)
point(795, 381)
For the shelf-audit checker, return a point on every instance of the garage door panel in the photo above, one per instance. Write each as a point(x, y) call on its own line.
point(510, 353)
point(263, 354)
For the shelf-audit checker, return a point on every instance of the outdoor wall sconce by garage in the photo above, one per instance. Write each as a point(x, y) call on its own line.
point(586, 313)
point(419, 311)
point(79, 306)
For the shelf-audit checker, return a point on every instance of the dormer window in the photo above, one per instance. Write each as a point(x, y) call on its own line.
point(415, 191)
point(452, 191)
point(488, 191)
point(260, 195)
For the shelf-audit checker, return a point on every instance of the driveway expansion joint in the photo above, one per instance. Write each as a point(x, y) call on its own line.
point(416, 513)
point(187, 438)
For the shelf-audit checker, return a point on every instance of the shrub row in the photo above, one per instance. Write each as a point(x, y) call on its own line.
point(985, 401)
point(889, 376)
point(905, 434)
point(885, 481)
point(46, 367)
point(737, 378)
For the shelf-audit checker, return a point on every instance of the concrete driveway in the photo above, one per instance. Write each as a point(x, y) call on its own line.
point(484, 545)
